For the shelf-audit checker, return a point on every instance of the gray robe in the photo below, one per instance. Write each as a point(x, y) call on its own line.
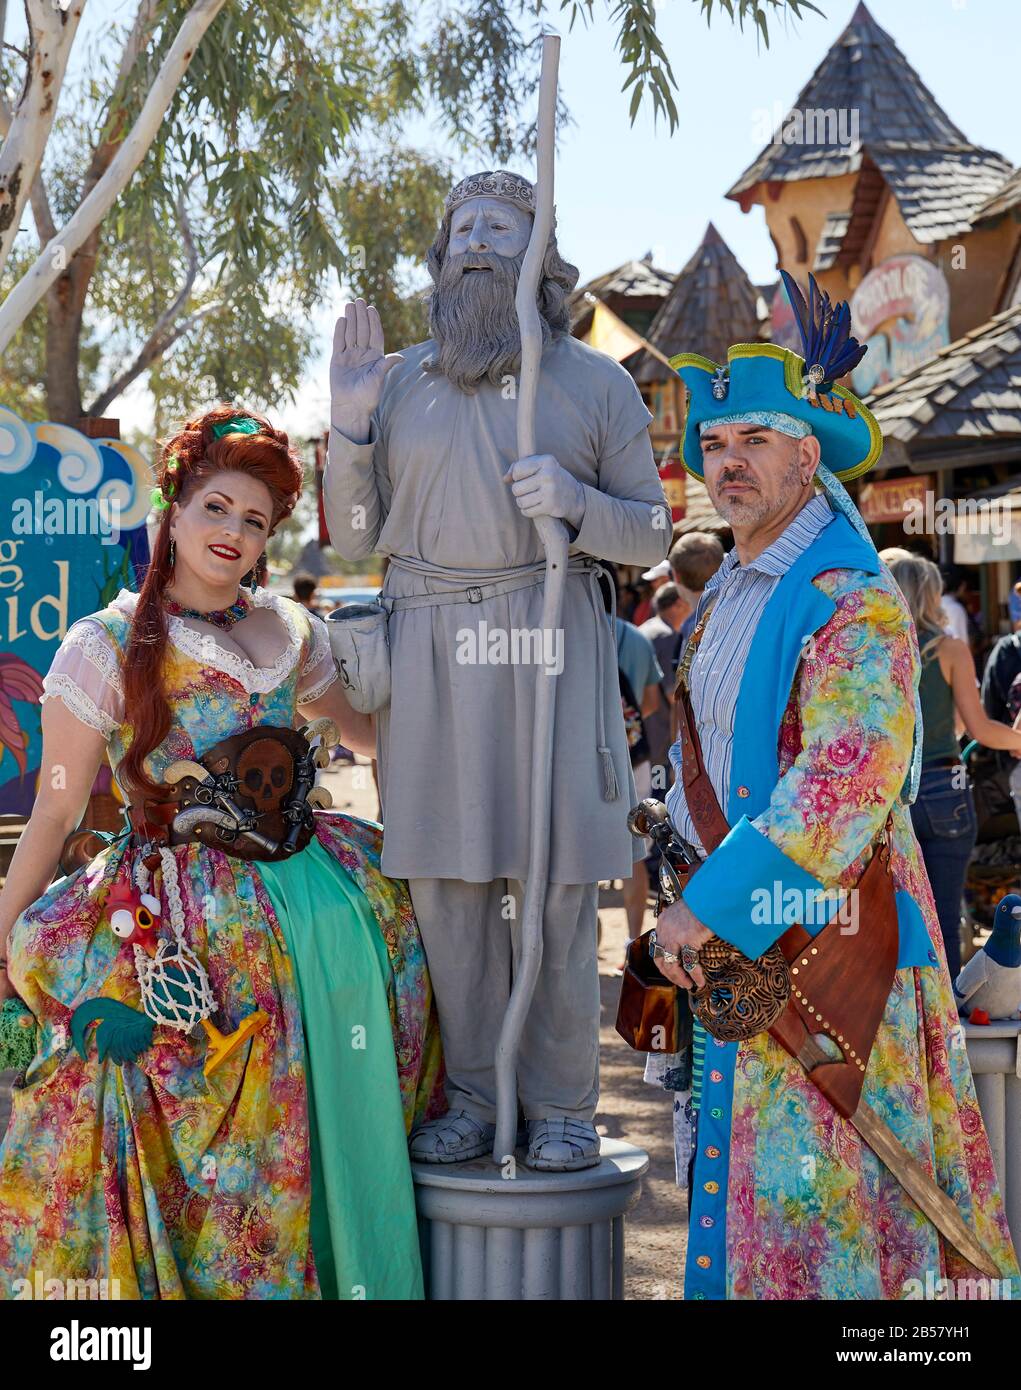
point(454, 747)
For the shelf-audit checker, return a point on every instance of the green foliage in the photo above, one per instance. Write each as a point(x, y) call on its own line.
point(279, 176)
point(648, 68)
point(757, 11)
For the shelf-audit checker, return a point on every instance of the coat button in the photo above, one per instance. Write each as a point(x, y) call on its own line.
point(712, 1188)
point(712, 1152)
point(933, 957)
point(706, 1221)
point(743, 791)
point(703, 1261)
point(716, 1113)
point(716, 1076)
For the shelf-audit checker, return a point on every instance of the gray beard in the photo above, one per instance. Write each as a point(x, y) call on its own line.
point(473, 321)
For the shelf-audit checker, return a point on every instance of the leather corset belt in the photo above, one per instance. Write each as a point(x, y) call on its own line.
point(251, 795)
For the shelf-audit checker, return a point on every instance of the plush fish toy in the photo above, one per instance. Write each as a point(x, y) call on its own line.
point(990, 983)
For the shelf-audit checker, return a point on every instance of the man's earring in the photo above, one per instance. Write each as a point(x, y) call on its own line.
point(172, 553)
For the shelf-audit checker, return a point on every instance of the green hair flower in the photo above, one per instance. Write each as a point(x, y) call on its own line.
point(237, 424)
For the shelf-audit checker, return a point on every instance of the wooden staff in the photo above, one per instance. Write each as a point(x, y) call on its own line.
point(553, 535)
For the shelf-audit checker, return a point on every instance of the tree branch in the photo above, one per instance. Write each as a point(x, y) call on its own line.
point(44, 224)
point(51, 36)
point(160, 339)
point(83, 267)
point(133, 45)
point(154, 348)
point(94, 207)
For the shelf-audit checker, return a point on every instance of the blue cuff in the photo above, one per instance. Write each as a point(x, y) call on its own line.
point(740, 891)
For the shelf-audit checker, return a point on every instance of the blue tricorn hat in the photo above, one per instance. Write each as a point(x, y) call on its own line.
point(760, 378)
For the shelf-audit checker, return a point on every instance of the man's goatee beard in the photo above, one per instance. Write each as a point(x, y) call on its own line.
point(473, 321)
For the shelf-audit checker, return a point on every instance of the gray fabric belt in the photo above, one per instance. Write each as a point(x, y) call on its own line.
point(492, 583)
point(475, 593)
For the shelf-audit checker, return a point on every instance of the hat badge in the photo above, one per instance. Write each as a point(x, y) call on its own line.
point(720, 384)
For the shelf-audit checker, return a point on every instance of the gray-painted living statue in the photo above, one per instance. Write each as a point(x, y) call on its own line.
point(423, 468)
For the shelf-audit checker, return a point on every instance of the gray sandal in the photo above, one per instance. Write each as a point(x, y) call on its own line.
point(453, 1138)
point(560, 1146)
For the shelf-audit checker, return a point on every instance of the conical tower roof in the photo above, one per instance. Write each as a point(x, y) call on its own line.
point(712, 304)
point(865, 105)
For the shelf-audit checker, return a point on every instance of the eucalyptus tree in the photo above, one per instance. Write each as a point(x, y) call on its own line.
point(200, 174)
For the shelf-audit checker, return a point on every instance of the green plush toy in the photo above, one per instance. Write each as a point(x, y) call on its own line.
point(17, 1035)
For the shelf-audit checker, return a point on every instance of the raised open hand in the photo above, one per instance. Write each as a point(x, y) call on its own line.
point(358, 367)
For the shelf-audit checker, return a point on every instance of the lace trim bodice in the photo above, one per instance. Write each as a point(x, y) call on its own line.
point(199, 645)
point(86, 670)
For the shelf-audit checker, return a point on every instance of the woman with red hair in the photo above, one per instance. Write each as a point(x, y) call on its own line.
point(233, 1019)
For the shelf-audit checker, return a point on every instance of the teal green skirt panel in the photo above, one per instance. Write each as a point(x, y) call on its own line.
point(364, 1229)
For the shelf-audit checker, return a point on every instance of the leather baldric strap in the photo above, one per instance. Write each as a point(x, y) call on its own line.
point(842, 977)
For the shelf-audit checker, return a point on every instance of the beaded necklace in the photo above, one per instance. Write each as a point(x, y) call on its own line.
point(224, 618)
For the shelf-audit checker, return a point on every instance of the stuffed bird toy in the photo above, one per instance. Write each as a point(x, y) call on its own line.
point(123, 1033)
point(990, 983)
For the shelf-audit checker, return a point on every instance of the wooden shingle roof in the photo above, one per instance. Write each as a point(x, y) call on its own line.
point(1006, 197)
point(635, 279)
point(711, 305)
point(636, 287)
point(971, 390)
point(937, 176)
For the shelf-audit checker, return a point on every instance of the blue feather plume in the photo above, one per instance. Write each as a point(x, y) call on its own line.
point(123, 1032)
point(825, 330)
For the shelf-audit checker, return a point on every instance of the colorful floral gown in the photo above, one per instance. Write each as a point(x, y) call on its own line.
point(285, 1175)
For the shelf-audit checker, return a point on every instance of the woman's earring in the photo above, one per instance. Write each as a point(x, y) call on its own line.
point(172, 553)
point(255, 570)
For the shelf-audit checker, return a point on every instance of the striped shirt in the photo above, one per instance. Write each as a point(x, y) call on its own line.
point(714, 678)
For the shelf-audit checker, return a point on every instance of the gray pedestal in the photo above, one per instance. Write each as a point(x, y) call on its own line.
point(527, 1236)
point(994, 1052)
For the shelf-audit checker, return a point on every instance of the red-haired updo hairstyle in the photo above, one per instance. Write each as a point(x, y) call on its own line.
point(267, 456)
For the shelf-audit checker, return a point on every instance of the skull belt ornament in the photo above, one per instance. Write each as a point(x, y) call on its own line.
point(251, 795)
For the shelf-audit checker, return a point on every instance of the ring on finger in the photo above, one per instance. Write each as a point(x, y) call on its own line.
point(660, 952)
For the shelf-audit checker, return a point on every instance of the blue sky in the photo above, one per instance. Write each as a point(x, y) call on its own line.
point(624, 190)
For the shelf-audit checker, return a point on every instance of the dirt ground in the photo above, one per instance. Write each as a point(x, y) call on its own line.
point(657, 1228)
point(629, 1109)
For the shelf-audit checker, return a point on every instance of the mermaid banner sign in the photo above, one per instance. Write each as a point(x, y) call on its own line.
point(72, 533)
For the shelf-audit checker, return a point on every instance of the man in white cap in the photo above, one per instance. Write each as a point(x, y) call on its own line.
point(423, 468)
